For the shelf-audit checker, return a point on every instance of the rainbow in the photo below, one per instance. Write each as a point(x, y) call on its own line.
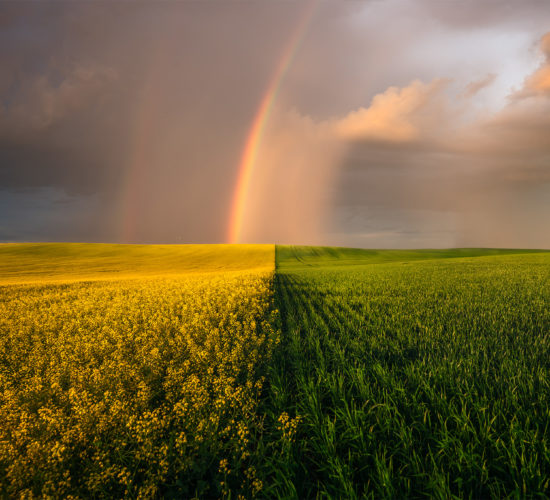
point(254, 138)
point(141, 147)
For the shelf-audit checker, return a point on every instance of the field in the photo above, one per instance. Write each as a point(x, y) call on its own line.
point(414, 378)
point(144, 386)
point(254, 370)
point(65, 262)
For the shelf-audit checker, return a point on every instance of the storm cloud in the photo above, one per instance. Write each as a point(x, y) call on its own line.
point(398, 124)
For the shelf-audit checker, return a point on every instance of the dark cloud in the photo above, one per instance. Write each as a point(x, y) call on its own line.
point(472, 14)
point(396, 123)
point(103, 98)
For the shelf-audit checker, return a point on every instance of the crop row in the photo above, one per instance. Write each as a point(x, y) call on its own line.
point(429, 379)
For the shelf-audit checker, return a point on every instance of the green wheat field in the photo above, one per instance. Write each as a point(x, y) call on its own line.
point(240, 371)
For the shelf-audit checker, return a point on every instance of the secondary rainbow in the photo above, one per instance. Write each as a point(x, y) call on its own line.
point(254, 138)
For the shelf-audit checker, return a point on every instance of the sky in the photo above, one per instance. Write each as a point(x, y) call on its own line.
point(374, 124)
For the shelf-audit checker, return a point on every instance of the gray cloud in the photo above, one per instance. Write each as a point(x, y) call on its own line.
point(39, 103)
point(103, 99)
point(399, 123)
point(471, 14)
point(419, 166)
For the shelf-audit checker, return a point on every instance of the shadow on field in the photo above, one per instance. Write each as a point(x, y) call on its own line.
point(425, 380)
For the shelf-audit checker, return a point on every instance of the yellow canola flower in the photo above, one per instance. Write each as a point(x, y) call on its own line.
point(117, 388)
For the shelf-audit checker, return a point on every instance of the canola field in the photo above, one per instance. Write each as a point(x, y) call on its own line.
point(66, 262)
point(240, 371)
point(141, 387)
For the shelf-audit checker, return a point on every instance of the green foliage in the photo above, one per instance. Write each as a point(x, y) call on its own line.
point(298, 257)
point(427, 378)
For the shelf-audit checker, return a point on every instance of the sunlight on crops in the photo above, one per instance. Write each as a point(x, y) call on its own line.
point(65, 262)
point(140, 387)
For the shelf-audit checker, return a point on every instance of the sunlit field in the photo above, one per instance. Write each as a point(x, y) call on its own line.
point(65, 262)
point(239, 371)
point(137, 387)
